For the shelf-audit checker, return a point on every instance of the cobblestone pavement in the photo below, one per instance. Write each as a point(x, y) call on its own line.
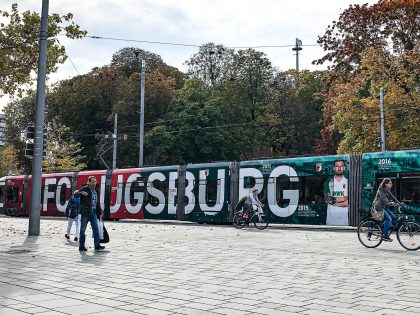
point(150, 268)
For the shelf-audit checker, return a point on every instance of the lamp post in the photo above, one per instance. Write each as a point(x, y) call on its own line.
point(35, 204)
point(141, 143)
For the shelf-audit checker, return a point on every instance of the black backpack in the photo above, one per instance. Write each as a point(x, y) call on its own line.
point(72, 209)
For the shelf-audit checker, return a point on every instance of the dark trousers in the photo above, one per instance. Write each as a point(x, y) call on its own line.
point(92, 218)
point(247, 208)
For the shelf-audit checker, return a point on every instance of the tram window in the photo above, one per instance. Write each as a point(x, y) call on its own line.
point(263, 193)
point(1, 193)
point(410, 189)
point(313, 190)
point(211, 191)
point(63, 194)
point(285, 183)
point(195, 190)
point(12, 194)
point(52, 188)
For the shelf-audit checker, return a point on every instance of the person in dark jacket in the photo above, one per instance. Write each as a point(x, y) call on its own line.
point(384, 199)
point(90, 211)
point(72, 209)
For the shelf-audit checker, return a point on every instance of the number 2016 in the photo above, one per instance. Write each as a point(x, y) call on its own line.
point(384, 161)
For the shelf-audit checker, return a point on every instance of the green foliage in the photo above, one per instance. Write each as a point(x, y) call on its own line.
point(357, 115)
point(372, 47)
point(63, 150)
point(87, 104)
point(200, 126)
point(392, 23)
point(63, 153)
point(252, 73)
point(84, 104)
point(292, 115)
point(8, 157)
point(19, 48)
point(19, 114)
point(212, 64)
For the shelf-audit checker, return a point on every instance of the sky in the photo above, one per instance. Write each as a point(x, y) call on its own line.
point(231, 23)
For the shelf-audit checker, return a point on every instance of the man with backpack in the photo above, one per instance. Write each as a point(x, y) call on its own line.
point(72, 214)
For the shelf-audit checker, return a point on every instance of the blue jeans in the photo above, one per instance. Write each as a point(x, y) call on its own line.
point(247, 208)
point(85, 218)
point(388, 217)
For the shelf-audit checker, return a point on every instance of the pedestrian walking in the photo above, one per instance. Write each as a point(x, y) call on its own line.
point(90, 211)
point(73, 216)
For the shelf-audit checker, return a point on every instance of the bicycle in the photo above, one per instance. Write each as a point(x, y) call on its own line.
point(258, 217)
point(370, 231)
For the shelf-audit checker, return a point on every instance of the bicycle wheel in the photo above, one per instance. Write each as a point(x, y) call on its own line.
point(409, 235)
point(260, 221)
point(238, 220)
point(369, 233)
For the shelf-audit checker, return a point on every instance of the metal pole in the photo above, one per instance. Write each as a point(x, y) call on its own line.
point(35, 205)
point(143, 66)
point(297, 58)
point(114, 152)
point(381, 102)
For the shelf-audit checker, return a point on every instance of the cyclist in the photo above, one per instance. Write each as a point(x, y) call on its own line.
point(384, 199)
point(250, 201)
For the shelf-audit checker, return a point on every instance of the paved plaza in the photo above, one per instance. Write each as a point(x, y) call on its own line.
point(158, 268)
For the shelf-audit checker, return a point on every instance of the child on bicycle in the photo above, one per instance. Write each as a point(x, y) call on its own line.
point(384, 199)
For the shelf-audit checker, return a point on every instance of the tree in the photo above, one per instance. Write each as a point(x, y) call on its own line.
point(356, 108)
point(8, 158)
point(280, 117)
point(84, 104)
point(212, 64)
point(252, 73)
point(200, 126)
point(371, 47)
point(19, 49)
point(19, 114)
point(310, 101)
point(63, 152)
point(388, 23)
point(87, 104)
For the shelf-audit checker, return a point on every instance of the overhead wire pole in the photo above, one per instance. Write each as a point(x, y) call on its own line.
point(35, 205)
point(114, 136)
point(381, 104)
point(141, 142)
point(297, 48)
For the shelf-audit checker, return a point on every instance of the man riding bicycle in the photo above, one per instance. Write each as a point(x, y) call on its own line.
point(251, 200)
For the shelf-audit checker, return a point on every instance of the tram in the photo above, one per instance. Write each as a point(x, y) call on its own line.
point(293, 190)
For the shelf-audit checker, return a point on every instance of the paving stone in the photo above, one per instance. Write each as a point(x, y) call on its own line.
point(194, 269)
point(10, 311)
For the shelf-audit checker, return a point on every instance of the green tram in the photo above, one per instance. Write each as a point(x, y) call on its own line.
point(295, 190)
point(315, 190)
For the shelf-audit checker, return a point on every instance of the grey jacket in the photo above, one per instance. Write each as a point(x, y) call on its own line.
point(383, 198)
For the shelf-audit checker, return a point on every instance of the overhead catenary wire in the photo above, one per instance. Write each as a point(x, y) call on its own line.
point(184, 44)
point(71, 61)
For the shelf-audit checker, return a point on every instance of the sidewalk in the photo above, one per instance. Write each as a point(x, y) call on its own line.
point(153, 268)
point(305, 227)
